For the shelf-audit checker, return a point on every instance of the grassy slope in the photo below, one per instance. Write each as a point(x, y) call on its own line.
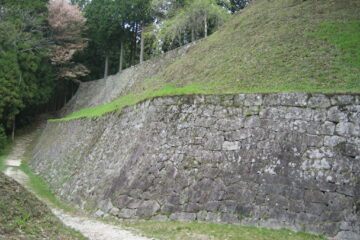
point(3, 155)
point(272, 46)
point(23, 216)
point(212, 231)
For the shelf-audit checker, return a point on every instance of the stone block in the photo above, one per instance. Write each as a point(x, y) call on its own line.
point(253, 100)
point(229, 218)
point(213, 217)
point(148, 208)
point(127, 213)
point(319, 101)
point(332, 141)
point(183, 216)
point(347, 129)
point(334, 114)
point(160, 218)
point(230, 146)
point(239, 100)
point(252, 122)
point(315, 197)
point(342, 100)
point(347, 235)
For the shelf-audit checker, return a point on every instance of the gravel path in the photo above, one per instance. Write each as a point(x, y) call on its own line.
point(94, 229)
point(89, 227)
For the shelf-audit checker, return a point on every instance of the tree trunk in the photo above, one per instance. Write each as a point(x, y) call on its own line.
point(179, 38)
point(13, 131)
point(184, 40)
point(71, 90)
point(192, 34)
point(142, 45)
point(106, 71)
point(121, 56)
point(133, 45)
point(205, 26)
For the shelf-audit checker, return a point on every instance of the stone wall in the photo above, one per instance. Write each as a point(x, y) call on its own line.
point(104, 91)
point(275, 160)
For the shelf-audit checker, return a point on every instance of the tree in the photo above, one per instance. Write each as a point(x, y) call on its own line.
point(81, 3)
point(115, 24)
point(143, 17)
point(67, 24)
point(236, 5)
point(105, 25)
point(196, 17)
point(201, 12)
point(25, 73)
point(164, 9)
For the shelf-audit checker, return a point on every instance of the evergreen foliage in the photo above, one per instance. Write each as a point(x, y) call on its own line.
point(162, 25)
point(25, 70)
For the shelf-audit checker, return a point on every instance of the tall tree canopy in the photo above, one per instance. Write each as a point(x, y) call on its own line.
point(37, 41)
point(25, 70)
point(105, 21)
point(122, 33)
point(67, 24)
point(115, 23)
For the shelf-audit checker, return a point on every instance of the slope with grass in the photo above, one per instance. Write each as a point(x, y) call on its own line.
point(271, 46)
point(23, 216)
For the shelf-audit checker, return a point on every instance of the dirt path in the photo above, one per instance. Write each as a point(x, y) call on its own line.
point(89, 227)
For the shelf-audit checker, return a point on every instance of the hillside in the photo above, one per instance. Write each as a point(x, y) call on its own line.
point(271, 46)
point(23, 216)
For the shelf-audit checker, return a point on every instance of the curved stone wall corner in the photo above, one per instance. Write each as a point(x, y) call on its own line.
point(277, 160)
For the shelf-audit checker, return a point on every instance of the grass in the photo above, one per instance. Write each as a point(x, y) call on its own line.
point(23, 216)
point(130, 99)
point(272, 46)
point(345, 37)
point(37, 184)
point(3, 155)
point(212, 231)
point(40, 188)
